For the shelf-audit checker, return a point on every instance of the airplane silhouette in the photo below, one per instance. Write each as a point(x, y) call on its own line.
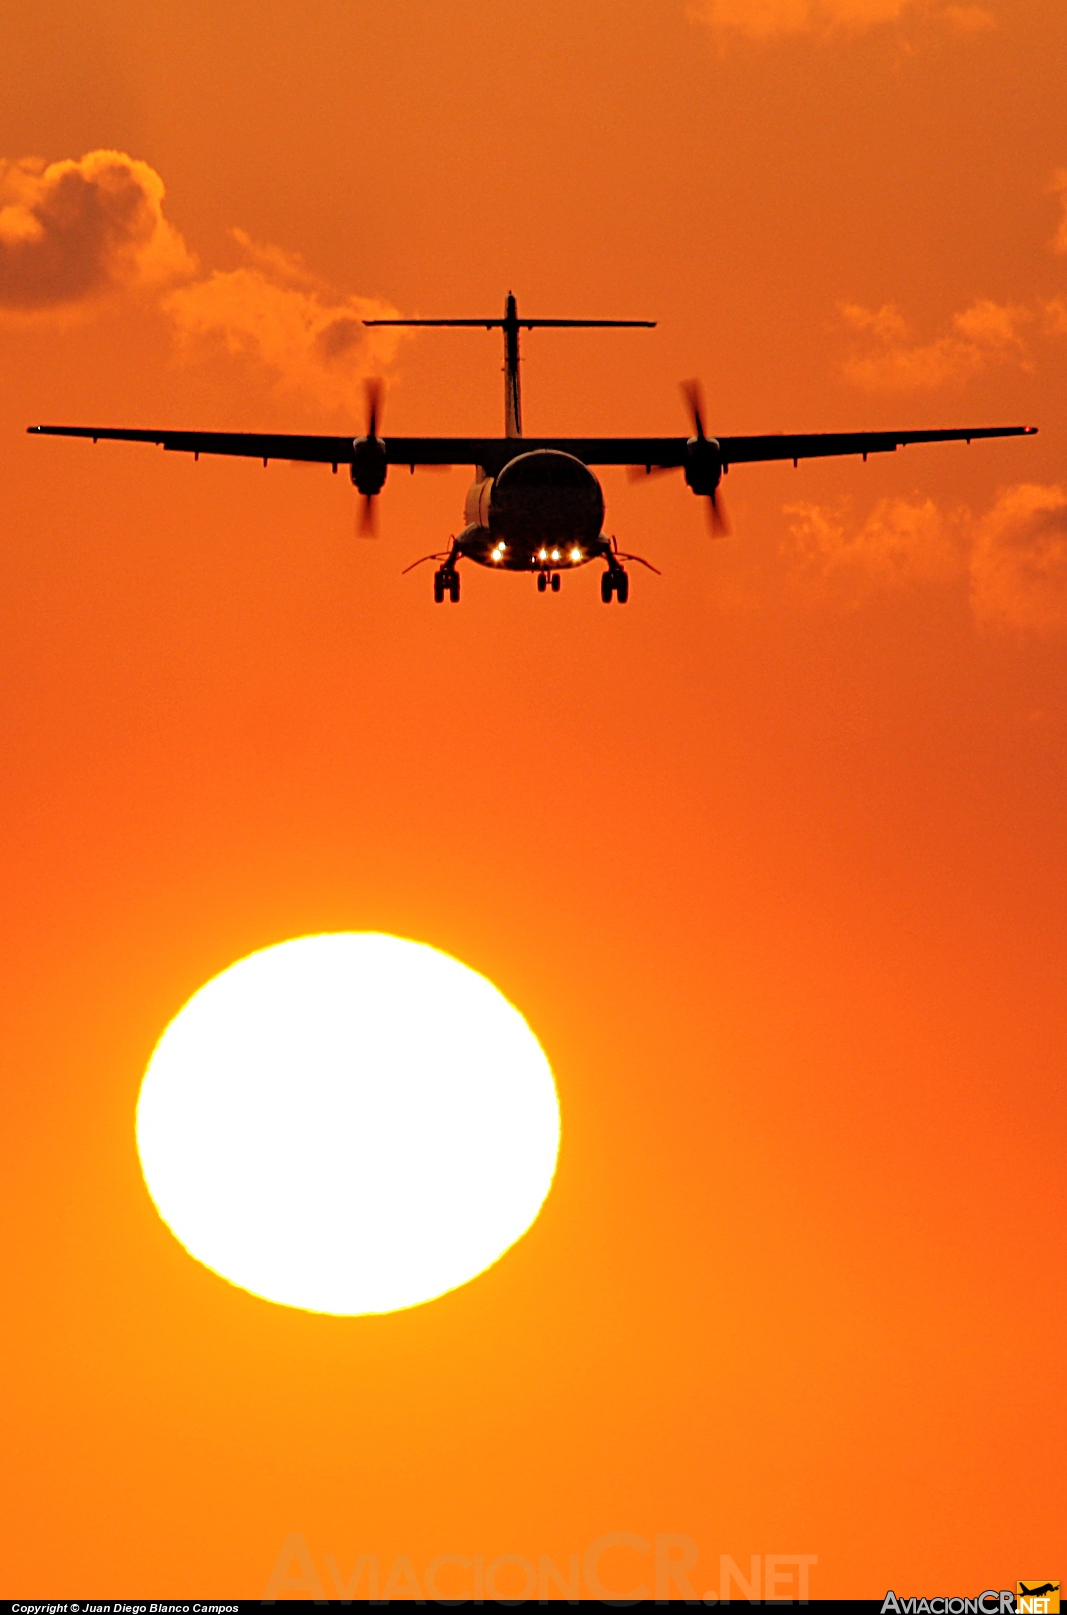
point(534, 505)
point(1039, 1592)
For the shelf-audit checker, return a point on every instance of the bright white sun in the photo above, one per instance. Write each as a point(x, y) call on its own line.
point(348, 1123)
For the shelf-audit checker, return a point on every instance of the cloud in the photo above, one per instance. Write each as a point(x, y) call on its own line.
point(275, 312)
point(73, 231)
point(74, 234)
point(984, 334)
point(901, 542)
point(1019, 560)
point(1055, 312)
point(1014, 556)
point(763, 19)
point(767, 19)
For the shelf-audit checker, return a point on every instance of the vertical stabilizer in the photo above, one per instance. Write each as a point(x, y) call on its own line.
point(512, 389)
point(511, 325)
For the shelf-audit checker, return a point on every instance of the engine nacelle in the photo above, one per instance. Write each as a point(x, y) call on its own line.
point(703, 464)
point(369, 465)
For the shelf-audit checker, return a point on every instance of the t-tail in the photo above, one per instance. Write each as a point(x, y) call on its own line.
point(511, 325)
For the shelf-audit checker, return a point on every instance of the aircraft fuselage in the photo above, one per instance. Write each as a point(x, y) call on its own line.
point(543, 513)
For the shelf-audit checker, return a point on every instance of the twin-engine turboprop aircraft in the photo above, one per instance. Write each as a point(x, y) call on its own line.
point(534, 505)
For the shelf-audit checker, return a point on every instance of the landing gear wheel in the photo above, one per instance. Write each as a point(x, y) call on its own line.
point(453, 588)
point(438, 586)
point(615, 581)
point(555, 583)
point(542, 582)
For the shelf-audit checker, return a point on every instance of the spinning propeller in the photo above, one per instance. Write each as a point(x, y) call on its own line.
point(703, 465)
point(369, 464)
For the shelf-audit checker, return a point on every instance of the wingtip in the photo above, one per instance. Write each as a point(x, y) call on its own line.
point(1029, 430)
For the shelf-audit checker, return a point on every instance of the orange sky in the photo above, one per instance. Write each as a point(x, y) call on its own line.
point(773, 861)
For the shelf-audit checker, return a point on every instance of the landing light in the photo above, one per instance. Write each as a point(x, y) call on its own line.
point(542, 555)
point(576, 554)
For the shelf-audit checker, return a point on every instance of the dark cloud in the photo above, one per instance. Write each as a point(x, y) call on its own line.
point(74, 230)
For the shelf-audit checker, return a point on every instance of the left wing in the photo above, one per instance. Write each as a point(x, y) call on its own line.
point(660, 453)
point(255, 445)
point(488, 451)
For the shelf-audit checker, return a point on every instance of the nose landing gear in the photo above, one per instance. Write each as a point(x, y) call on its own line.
point(615, 581)
point(547, 580)
point(446, 581)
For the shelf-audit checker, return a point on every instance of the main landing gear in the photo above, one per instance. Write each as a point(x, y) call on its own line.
point(546, 580)
point(446, 581)
point(615, 581)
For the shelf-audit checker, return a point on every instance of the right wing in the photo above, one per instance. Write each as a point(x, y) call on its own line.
point(806, 446)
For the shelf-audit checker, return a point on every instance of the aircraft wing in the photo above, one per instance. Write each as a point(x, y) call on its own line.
point(660, 453)
point(254, 445)
point(807, 446)
point(493, 453)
